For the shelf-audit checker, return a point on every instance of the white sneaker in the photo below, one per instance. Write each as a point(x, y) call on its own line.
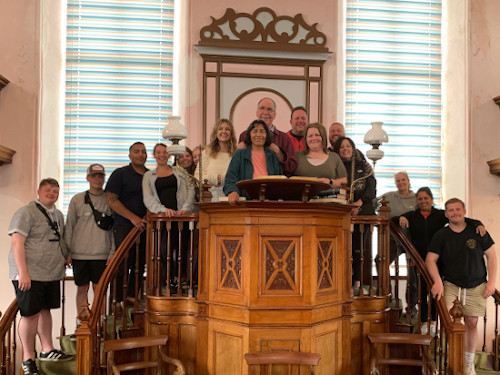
point(470, 370)
point(433, 330)
point(423, 329)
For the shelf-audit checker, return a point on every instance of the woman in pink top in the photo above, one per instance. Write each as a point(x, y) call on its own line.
point(251, 162)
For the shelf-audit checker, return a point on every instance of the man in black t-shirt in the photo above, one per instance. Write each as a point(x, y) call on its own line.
point(124, 196)
point(466, 276)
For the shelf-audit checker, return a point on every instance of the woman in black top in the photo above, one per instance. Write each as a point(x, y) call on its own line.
point(167, 190)
point(422, 224)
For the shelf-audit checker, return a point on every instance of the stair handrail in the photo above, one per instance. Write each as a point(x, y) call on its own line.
point(8, 317)
point(454, 328)
point(154, 221)
point(89, 319)
point(85, 361)
point(382, 257)
point(8, 354)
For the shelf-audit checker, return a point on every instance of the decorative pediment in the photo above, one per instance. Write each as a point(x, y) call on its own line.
point(263, 30)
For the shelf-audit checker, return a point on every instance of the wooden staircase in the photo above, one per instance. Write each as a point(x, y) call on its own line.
point(370, 313)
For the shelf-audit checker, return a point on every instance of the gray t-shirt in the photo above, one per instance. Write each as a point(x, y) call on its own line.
point(44, 258)
point(332, 167)
point(399, 205)
point(86, 240)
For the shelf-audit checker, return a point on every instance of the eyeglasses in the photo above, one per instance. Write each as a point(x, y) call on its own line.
point(268, 109)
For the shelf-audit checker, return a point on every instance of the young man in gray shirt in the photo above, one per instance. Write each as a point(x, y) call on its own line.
point(36, 265)
point(91, 245)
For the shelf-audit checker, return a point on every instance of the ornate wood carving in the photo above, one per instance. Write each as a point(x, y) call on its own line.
point(5, 152)
point(494, 166)
point(202, 310)
point(243, 45)
point(263, 30)
point(280, 270)
point(325, 264)
point(6, 155)
point(230, 264)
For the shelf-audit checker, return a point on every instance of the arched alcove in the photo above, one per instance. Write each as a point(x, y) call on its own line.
point(245, 55)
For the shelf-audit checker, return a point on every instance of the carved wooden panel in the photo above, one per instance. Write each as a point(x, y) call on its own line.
point(186, 338)
point(327, 344)
point(281, 266)
point(229, 273)
point(326, 264)
point(227, 347)
point(263, 30)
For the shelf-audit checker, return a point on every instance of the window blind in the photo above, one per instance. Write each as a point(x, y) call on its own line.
point(119, 59)
point(393, 74)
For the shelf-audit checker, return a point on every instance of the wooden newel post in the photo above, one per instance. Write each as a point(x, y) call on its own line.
point(384, 249)
point(206, 195)
point(456, 339)
point(84, 343)
point(384, 210)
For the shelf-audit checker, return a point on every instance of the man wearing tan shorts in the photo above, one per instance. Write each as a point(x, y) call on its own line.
point(466, 275)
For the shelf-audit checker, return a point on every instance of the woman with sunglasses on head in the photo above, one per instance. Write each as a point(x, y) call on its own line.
point(167, 190)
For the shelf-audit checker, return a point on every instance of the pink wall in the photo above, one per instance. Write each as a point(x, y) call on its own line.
point(484, 85)
point(18, 117)
point(485, 114)
point(324, 13)
point(484, 78)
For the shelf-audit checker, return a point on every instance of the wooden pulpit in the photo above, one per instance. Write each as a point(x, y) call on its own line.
point(273, 276)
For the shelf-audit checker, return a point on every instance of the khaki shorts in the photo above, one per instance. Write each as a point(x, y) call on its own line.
point(471, 298)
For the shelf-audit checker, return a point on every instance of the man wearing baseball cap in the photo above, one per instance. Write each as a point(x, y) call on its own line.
point(88, 234)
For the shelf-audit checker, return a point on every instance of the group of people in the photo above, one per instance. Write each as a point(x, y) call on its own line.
point(100, 218)
point(454, 249)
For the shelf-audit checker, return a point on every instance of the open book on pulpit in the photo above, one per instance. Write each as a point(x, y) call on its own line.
point(295, 188)
point(224, 199)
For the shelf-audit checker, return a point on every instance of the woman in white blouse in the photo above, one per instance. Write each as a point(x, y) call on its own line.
point(216, 157)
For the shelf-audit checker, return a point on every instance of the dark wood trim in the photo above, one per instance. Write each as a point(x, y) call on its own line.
point(246, 31)
point(3, 82)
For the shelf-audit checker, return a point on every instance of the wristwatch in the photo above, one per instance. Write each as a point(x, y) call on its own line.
point(331, 182)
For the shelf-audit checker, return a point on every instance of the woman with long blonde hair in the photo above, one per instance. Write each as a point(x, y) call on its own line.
point(216, 157)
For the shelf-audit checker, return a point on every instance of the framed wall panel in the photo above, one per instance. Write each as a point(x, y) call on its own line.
point(248, 57)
